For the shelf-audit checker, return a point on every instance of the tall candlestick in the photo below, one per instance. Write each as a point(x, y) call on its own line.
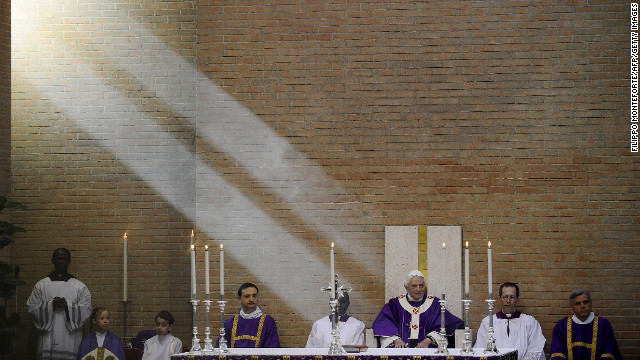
point(466, 271)
point(193, 272)
point(333, 274)
point(444, 270)
point(206, 271)
point(221, 271)
point(490, 271)
point(126, 269)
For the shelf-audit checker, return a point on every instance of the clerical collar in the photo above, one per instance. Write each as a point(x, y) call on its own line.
point(54, 276)
point(502, 315)
point(410, 299)
point(588, 321)
point(253, 315)
point(342, 318)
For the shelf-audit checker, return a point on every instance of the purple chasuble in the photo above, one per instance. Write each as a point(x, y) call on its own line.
point(111, 342)
point(572, 341)
point(251, 333)
point(394, 320)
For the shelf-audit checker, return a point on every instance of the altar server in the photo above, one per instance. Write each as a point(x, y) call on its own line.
point(413, 319)
point(251, 328)
point(60, 304)
point(162, 345)
point(101, 344)
point(583, 335)
point(512, 328)
point(351, 329)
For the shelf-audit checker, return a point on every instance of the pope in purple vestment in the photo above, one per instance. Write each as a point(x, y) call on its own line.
point(413, 320)
point(250, 328)
point(583, 335)
point(111, 343)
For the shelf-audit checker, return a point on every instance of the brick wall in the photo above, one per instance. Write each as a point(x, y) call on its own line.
point(277, 128)
point(5, 97)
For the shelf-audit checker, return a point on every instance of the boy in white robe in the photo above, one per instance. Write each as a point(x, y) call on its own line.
point(513, 329)
point(60, 304)
point(163, 345)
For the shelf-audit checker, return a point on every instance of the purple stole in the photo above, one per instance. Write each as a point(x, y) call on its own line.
point(111, 342)
point(573, 341)
point(251, 333)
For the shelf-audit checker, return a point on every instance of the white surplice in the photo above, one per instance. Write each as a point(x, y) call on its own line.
point(351, 333)
point(60, 330)
point(525, 335)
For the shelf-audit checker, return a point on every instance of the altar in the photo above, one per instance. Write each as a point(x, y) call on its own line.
point(369, 354)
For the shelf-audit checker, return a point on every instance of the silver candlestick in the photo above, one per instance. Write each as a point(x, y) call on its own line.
point(208, 346)
point(491, 341)
point(467, 347)
point(222, 346)
point(195, 343)
point(442, 341)
point(336, 345)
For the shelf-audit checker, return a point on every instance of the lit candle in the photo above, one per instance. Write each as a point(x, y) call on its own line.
point(490, 272)
point(193, 272)
point(221, 271)
point(193, 238)
point(206, 270)
point(466, 271)
point(126, 265)
point(333, 274)
point(444, 270)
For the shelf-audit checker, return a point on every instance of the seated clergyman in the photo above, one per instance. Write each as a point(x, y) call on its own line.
point(351, 329)
point(413, 319)
point(250, 328)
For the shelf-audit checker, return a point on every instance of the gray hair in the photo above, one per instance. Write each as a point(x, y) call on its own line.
point(412, 274)
point(576, 293)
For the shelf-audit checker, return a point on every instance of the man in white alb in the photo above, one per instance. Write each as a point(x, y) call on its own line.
point(351, 329)
point(513, 329)
point(60, 304)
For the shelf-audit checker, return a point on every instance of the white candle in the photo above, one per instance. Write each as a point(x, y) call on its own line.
point(206, 270)
point(490, 271)
point(126, 265)
point(333, 273)
point(444, 270)
point(221, 271)
point(466, 271)
point(193, 272)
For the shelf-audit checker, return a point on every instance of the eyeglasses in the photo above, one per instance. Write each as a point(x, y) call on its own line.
point(507, 297)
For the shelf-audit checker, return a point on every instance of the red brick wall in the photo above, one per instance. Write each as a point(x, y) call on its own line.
point(5, 97)
point(276, 128)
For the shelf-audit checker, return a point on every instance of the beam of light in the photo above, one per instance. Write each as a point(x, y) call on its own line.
point(168, 165)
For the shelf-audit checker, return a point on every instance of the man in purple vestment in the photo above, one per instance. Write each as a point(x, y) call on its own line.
point(583, 335)
point(250, 328)
point(413, 319)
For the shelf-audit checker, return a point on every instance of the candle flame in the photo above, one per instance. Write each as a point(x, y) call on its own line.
point(191, 232)
point(443, 245)
point(332, 244)
point(193, 247)
point(220, 246)
point(206, 248)
point(489, 243)
point(467, 244)
point(125, 234)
